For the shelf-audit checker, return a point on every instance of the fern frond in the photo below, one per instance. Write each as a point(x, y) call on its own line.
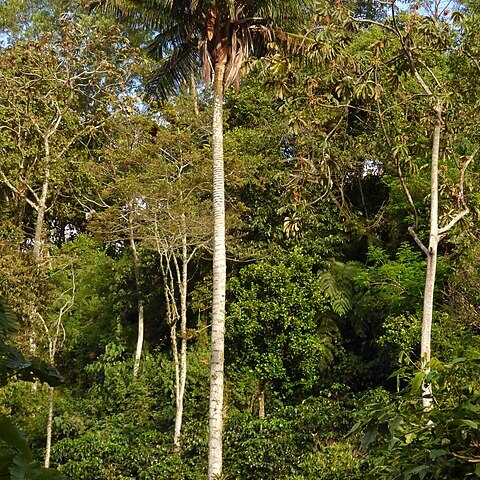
point(338, 299)
point(337, 286)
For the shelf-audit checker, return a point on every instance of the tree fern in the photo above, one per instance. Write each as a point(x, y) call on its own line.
point(337, 286)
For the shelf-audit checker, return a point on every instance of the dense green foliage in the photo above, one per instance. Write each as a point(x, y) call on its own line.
point(328, 143)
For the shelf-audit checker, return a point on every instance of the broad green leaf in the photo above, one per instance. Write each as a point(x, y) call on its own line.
point(394, 424)
point(10, 435)
point(465, 422)
point(420, 470)
point(469, 407)
point(370, 436)
point(417, 382)
point(6, 458)
point(8, 320)
point(19, 466)
point(355, 428)
point(27, 370)
point(3, 373)
point(22, 470)
point(45, 372)
point(456, 361)
point(14, 360)
point(437, 453)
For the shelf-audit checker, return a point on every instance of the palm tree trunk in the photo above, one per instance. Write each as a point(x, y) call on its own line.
point(431, 260)
point(219, 281)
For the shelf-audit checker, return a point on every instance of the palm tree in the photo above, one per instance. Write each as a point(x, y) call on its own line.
point(217, 36)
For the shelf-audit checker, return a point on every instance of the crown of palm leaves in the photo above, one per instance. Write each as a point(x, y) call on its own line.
point(196, 32)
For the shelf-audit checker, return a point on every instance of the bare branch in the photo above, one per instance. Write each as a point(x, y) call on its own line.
point(31, 190)
point(462, 175)
point(430, 71)
point(374, 22)
point(16, 192)
point(419, 78)
point(453, 222)
point(406, 190)
point(412, 232)
point(466, 459)
point(461, 198)
point(44, 324)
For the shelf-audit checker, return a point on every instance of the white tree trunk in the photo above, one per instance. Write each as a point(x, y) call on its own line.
point(140, 303)
point(431, 260)
point(140, 334)
point(166, 259)
point(178, 403)
point(48, 447)
point(261, 399)
point(42, 208)
point(219, 282)
point(182, 374)
point(42, 200)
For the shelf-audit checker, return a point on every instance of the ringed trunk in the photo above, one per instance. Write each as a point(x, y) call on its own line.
point(219, 282)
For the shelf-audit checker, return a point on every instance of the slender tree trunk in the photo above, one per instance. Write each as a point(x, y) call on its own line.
point(219, 281)
point(140, 334)
point(48, 447)
point(178, 405)
point(32, 348)
point(431, 259)
point(182, 377)
point(42, 201)
point(172, 318)
point(261, 399)
point(140, 303)
point(42, 207)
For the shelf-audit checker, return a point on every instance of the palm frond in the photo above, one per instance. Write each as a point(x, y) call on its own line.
point(189, 30)
point(170, 38)
point(174, 72)
point(154, 14)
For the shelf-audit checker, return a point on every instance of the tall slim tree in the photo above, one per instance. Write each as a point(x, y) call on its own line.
point(218, 36)
point(410, 36)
